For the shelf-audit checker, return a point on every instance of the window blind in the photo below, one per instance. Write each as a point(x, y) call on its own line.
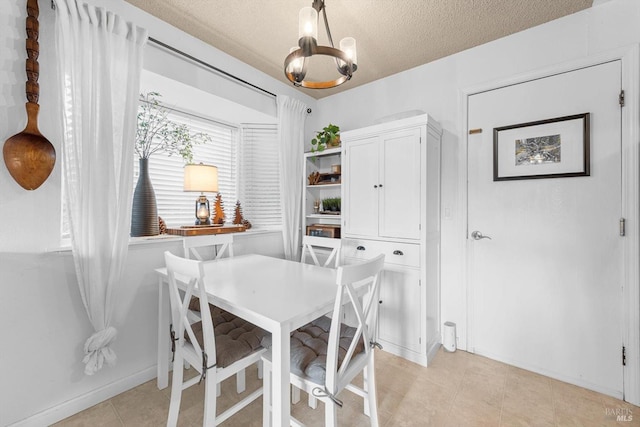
point(259, 174)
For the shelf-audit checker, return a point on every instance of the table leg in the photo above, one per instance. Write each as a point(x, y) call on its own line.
point(281, 405)
point(163, 336)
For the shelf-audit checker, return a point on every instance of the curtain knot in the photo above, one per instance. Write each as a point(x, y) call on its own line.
point(97, 350)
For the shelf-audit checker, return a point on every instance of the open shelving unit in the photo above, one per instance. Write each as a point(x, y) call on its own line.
point(328, 185)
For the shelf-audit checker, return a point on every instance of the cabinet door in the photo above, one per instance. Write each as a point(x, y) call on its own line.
point(399, 316)
point(360, 204)
point(399, 187)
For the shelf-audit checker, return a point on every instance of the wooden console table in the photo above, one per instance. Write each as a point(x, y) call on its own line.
point(200, 230)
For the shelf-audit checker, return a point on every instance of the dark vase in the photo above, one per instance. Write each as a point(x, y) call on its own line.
point(144, 212)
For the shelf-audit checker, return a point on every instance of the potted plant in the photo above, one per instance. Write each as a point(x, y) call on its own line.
point(331, 204)
point(329, 136)
point(156, 133)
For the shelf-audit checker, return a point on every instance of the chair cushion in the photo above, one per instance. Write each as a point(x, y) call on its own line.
point(309, 348)
point(235, 337)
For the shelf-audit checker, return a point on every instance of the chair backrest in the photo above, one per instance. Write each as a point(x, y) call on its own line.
point(350, 278)
point(190, 274)
point(311, 242)
point(220, 243)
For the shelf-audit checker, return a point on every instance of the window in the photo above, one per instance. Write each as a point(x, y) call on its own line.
point(177, 207)
point(248, 170)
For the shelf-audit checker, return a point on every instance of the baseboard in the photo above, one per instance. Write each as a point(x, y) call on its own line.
point(412, 356)
point(432, 350)
point(551, 374)
point(87, 400)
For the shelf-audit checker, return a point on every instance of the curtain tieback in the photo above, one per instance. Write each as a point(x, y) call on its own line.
point(97, 350)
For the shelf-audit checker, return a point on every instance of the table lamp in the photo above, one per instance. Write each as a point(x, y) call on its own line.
point(201, 178)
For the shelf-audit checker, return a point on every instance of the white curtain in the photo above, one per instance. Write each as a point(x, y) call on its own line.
point(291, 117)
point(99, 63)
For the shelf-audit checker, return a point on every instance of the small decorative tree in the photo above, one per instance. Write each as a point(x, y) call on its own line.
point(218, 213)
point(237, 219)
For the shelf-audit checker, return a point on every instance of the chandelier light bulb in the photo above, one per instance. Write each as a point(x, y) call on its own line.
point(297, 64)
point(296, 68)
point(348, 46)
point(308, 23)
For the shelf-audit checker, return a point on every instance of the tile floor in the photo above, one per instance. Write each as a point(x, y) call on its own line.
point(457, 389)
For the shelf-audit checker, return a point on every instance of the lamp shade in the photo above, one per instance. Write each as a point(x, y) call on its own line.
point(201, 178)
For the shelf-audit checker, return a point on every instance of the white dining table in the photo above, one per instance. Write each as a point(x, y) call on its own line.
point(274, 294)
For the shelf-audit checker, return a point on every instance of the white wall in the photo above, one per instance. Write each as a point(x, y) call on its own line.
point(44, 324)
point(436, 88)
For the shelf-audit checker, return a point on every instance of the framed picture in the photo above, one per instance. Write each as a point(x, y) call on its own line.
point(553, 148)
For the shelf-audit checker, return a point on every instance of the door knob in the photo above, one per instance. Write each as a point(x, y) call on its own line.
point(476, 235)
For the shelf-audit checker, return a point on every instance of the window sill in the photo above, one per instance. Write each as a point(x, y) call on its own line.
point(65, 246)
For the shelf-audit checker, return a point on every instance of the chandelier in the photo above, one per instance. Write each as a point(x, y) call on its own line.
point(295, 64)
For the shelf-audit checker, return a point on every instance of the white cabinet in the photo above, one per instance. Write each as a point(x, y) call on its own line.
point(391, 205)
point(382, 185)
point(327, 165)
point(399, 316)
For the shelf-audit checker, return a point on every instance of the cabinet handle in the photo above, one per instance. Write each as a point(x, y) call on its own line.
point(397, 252)
point(375, 186)
point(380, 185)
point(380, 302)
point(360, 248)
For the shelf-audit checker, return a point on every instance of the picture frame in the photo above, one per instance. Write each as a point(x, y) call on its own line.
point(552, 148)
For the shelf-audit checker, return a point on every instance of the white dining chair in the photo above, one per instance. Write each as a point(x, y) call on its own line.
point(311, 247)
point(310, 244)
point(210, 247)
point(216, 353)
point(348, 349)
point(218, 244)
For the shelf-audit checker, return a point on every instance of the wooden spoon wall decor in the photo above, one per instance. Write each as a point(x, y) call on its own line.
point(30, 156)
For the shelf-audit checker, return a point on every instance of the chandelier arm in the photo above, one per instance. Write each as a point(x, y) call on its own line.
point(326, 26)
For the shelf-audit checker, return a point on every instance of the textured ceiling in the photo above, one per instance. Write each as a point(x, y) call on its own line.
point(392, 35)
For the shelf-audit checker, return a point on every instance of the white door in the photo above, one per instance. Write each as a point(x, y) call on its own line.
point(399, 316)
point(360, 183)
point(400, 193)
point(545, 290)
